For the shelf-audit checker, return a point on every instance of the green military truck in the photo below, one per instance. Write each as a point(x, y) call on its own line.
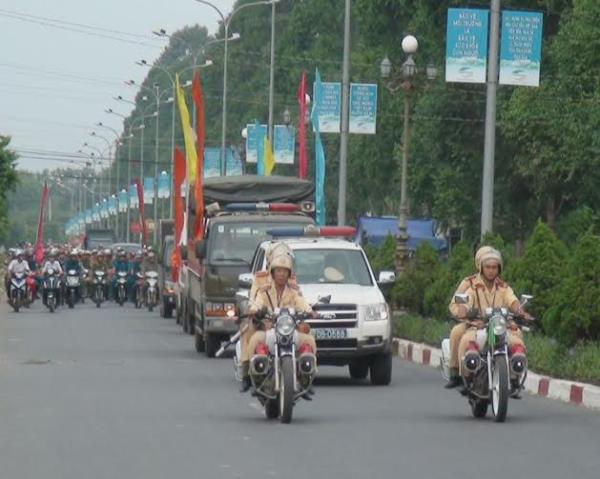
point(240, 211)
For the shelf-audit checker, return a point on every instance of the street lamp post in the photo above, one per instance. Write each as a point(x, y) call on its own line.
point(226, 22)
point(404, 80)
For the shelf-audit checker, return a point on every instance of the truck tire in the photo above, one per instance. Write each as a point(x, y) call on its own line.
point(199, 342)
point(359, 369)
point(212, 345)
point(381, 369)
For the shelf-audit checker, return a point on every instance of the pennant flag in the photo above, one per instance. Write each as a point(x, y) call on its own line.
point(269, 157)
point(39, 242)
point(200, 137)
point(140, 192)
point(319, 155)
point(188, 133)
point(179, 180)
point(303, 161)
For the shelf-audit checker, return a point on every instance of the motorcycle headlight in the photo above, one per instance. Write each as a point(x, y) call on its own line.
point(285, 325)
point(498, 325)
point(375, 312)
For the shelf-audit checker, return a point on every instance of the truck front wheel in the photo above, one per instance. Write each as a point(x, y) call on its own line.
point(381, 369)
point(359, 369)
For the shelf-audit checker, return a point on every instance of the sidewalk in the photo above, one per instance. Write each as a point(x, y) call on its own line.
point(580, 394)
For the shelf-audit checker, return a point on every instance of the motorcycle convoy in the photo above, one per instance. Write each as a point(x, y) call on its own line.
point(485, 344)
point(69, 287)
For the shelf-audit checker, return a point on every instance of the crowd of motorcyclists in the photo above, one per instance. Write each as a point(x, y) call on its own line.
point(75, 269)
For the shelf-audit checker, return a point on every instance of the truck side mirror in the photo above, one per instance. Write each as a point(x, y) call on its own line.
point(201, 249)
point(386, 277)
point(245, 280)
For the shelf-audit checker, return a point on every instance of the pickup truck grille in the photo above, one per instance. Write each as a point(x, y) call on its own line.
point(346, 316)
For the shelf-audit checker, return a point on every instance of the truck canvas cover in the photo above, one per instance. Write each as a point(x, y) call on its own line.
point(255, 189)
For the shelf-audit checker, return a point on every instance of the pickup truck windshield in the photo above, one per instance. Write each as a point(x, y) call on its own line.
point(232, 243)
point(333, 266)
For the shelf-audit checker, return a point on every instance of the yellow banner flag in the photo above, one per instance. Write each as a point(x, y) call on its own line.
point(269, 158)
point(188, 134)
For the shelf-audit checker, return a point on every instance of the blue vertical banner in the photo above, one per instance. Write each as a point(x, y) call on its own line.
point(212, 162)
point(96, 212)
point(254, 133)
point(284, 144)
point(319, 153)
point(260, 149)
point(112, 205)
point(164, 181)
point(363, 108)
point(122, 201)
point(466, 45)
point(329, 106)
point(88, 217)
point(134, 201)
point(104, 209)
point(148, 190)
point(521, 48)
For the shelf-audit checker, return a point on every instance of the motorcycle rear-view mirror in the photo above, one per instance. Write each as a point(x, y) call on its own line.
point(461, 298)
point(525, 298)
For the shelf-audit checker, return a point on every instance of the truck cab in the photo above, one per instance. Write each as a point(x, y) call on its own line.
point(335, 277)
point(239, 212)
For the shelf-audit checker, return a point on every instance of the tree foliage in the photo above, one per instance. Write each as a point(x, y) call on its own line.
point(8, 179)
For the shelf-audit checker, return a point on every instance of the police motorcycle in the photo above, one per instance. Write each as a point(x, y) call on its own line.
point(497, 372)
point(52, 288)
point(18, 290)
point(121, 291)
point(151, 288)
point(99, 287)
point(73, 287)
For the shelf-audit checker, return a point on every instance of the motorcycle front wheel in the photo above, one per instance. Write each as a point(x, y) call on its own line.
point(500, 389)
point(286, 392)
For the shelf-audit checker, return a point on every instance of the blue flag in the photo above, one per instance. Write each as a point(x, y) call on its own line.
point(260, 151)
point(319, 154)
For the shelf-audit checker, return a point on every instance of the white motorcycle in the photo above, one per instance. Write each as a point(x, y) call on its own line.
point(151, 287)
point(18, 290)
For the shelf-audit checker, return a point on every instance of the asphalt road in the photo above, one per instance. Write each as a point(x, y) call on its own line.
point(118, 393)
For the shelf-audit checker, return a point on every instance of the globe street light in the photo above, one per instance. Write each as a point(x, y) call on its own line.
point(404, 80)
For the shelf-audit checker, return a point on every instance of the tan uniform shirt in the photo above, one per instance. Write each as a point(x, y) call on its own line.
point(480, 297)
point(268, 297)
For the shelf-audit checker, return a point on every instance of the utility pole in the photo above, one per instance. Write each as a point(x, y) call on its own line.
point(487, 194)
point(345, 118)
point(272, 76)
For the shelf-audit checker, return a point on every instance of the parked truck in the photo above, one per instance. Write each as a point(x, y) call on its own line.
point(240, 211)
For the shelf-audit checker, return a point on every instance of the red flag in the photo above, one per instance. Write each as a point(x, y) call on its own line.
point(140, 192)
point(200, 137)
point(39, 242)
point(178, 179)
point(301, 95)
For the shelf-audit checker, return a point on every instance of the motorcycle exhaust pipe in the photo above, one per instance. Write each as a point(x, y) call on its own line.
point(307, 364)
point(472, 361)
point(259, 365)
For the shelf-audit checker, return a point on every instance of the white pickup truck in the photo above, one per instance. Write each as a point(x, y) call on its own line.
point(358, 331)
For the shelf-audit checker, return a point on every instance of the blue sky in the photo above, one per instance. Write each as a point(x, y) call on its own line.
point(55, 83)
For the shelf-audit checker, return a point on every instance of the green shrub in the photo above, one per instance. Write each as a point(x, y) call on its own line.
point(576, 223)
point(576, 312)
point(382, 257)
point(409, 291)
point(422, 330)
point(541, 269)
point(438, 295)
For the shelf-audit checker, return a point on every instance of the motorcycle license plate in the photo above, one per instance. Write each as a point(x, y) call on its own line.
point(329, 333)
point(72, 281)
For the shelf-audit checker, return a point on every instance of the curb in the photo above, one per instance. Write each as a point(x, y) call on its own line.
point(580, 394)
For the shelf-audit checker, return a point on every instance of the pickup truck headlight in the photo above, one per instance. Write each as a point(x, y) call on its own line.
point(375, 312)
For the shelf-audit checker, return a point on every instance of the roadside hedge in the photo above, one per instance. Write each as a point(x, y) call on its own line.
point(565, 279)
